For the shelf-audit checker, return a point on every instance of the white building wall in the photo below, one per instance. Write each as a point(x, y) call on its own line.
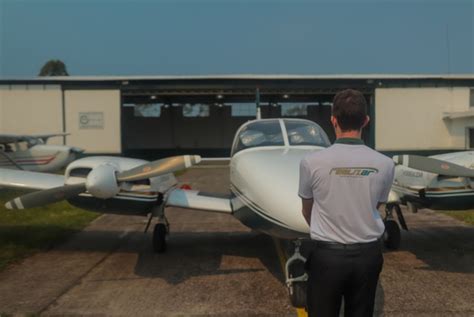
point(101, 134)
point(412, 118)
point(31, 109)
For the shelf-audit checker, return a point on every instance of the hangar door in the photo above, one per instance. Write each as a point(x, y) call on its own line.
point(156, 129)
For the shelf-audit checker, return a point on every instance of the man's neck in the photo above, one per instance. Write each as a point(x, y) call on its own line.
point(353, 134)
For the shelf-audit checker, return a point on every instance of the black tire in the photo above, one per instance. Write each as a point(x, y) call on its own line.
point(159, 238)
point(298, 294)
point(392, 235)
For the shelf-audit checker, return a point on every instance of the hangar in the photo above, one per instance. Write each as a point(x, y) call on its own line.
point(156, 116)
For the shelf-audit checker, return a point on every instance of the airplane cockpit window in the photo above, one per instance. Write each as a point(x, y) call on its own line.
point(260, 133)
point(305, 133)
point(269, 133)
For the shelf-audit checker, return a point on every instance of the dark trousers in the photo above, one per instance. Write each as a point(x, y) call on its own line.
point(349, 273)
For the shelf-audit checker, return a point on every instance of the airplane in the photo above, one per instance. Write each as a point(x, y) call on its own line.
point(438, 182)
point(264, 172)
point(31, 153)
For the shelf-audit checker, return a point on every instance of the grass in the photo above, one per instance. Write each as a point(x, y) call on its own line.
point(463, 215)
point(25, 232)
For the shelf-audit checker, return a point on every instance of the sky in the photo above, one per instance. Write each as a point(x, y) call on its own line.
point(194, 37)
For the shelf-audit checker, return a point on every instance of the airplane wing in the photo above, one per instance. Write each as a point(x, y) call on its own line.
point(29, 180)
point(432, 165)
point(45, 137)
point(194, 199)
point(11, 138)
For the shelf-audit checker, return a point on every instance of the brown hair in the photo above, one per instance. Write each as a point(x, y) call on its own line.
point(350, 109)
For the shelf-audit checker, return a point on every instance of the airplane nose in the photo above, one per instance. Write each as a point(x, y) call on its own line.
point(270, 181)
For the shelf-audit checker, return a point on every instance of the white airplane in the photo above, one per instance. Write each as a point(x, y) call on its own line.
point(439, 182)
point(264, 173)
point(31, 153)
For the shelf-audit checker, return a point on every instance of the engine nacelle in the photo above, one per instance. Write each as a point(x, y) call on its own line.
point(102, 183)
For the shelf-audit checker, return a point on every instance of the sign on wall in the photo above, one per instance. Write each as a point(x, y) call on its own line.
point(91, 120)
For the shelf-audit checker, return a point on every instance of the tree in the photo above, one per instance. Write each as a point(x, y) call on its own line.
point(53, 67)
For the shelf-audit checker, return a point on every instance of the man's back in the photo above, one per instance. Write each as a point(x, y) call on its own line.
point(347, 180)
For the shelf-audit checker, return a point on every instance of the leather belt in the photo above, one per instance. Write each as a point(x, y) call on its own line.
point(352, 246)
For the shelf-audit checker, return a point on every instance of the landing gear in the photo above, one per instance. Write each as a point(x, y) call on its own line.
point(161, 229)
point(159, 238)
point(392, 234)
point(296, 277)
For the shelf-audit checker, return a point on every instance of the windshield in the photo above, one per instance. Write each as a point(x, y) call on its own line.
point(269, 133)
point(305, 133)
point(260, 133)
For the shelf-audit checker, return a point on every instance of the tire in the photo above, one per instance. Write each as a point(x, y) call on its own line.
point(392, 236)
point(297, 291)
point(298, 295)
point(159, 238)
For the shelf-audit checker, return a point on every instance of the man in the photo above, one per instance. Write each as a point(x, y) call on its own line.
point(341, 188)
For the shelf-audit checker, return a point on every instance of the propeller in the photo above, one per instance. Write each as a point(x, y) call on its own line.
point(103, 181)
point(45, 197)
point(433, 165)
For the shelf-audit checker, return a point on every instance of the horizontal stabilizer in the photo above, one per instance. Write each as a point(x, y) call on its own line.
point(194, 199)
point(433, 165)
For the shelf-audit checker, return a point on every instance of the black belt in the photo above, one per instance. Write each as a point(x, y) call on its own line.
point(351, 246)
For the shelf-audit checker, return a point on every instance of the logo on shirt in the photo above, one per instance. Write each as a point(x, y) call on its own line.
point(353, 171)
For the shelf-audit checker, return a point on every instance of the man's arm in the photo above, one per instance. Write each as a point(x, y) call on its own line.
point(306, 210)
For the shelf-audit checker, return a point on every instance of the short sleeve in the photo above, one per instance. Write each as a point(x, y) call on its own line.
point(305, 189)
point(387, 183)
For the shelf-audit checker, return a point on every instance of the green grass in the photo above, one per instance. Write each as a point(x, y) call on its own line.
point(463, 215)
point(25, 232)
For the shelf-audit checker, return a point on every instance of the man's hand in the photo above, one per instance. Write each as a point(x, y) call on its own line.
point(307, 207)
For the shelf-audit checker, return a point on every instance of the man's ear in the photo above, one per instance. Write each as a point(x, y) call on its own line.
point(366, 121)
point(334, 121)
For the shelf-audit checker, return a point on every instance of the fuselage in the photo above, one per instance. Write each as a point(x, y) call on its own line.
point(40, 158)
point(264, 177)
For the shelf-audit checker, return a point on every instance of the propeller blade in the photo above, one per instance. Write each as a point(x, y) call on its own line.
point(159, 167)
point(432, 165)
point(45, 197)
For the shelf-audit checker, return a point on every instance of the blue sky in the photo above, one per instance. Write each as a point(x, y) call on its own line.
point(235, 37)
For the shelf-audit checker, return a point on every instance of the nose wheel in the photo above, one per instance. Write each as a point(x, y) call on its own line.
point(296, 277)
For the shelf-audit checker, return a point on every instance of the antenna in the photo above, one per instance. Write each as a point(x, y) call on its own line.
point(257, 102)
point(448, 49)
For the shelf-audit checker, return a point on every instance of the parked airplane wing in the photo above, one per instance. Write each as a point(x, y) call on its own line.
point(433, 165)
point(194, 199)
point(29, 180)
point(11, 138)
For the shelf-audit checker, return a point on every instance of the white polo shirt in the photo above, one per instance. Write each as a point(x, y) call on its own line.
point(346, 182)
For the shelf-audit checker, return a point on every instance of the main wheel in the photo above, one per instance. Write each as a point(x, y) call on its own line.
point(159, 238)
point(392, 236)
